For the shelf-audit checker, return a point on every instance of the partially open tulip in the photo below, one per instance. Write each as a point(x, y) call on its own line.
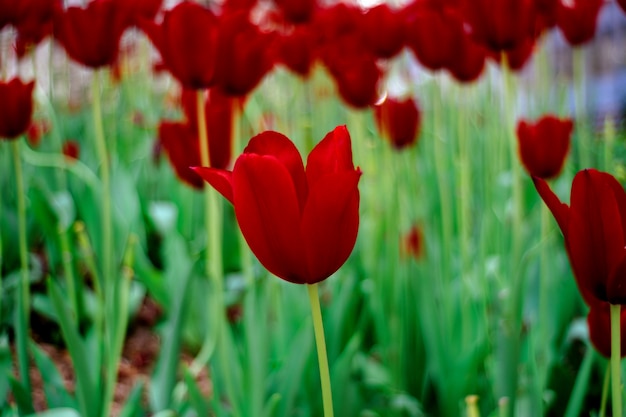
point(296, 50)
point(301, 224)
point(594, 227)
point(91, 34)
point(398, 121)
point(577, 20)
point(187, 41)
point(382, 29)
point(543, 145)
point(16, 107)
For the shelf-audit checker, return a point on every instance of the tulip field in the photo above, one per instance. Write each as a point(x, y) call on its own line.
point(301, 208)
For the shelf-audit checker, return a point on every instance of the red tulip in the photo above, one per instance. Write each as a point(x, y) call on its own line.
point(398, 121)
point(295, 50)
point(187, 41)
point(71, 150)
point(243, 58)
point(500, 25)
point(412, 244)
point(296, 11)
point(8, 12)
point(138, 10)
point(543, 145)
point(599, 323)
point(577, 20)
point(16, 107)
point(181, 142)
point(34, 23)
point(35, 131)
point(594, 227)
point(469, 60)
point(382, 29)
point(91, 35)
point(301, 225)
point(622, 4)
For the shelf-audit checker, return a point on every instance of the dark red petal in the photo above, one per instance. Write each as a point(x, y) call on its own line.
point(183, 150)
point(332, 155)
point(267, 211)
point(279, 146)
point(220, 179)
point(330, 223)
point(616, 285)
point(599, 322)
point(559, 210)
point(595, 235)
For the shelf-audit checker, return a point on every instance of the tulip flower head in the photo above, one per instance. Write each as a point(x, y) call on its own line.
point(398, 121)
point(578, 20)
point(16, 107)
point(543, 145)
point(594, 228)
point(301, 224)
point(599, 323)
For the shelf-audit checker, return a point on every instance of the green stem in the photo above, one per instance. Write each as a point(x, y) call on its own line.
point(615, 359)
point(23, 313)
point(320, 342)
point(106, 219)
point(578, 68)
point(609, 140)
point(66, 257)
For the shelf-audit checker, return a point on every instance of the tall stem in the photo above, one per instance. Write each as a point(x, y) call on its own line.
point(105, 175)
point(580, 99)
point(320, 343)
point(23, 312)
point(616, 371)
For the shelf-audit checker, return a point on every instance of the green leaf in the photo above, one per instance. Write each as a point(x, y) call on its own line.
point(53, 385)
point(57, 412)
point(198, 402)
point(6, 367)
point(133, 407)
point(21, 396)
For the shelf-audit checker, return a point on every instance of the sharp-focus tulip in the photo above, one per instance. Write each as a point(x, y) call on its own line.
point(599, 323)
point(187, 41)
point(398, 121)
point(543, 145)
point(594, 227)
point(16, 107)
point(301, 225)
point(91, 35)
point(577, 20)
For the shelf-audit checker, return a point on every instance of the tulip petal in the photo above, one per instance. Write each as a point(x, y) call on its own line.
point(599, 322)
point(620, 196)
point(279, 146)
point(559, 210)
point(595, 235)
point(616, 286)
point(332, 155)
point(220, 179)
point(330, 223)
point(267, 211)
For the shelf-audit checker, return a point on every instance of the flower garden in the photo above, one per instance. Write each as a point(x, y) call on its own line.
point(293, 208)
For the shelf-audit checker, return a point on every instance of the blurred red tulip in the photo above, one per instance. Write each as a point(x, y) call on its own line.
point(577, 20)
point(469, 60)
point(599, 323)
point(34, 23)
point(180, 140)
point(296, 11)
point(398, 121)
point(594, 227)
point(500, 25)
point(543, 145)
point(296, 50)
point(187, 41)
point(8, 12)
point(382, 30)
point(138, 10)
point(91, 35)
point(301, 225)
point(71, 149)
point(243, 52)
point(16, 107)
point(35, 131)
point(412, 244)
point(622, 4)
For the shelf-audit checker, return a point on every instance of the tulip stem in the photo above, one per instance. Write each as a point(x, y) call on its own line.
point(23, 310)
point(578, 69)
point(615, 359)
point(320, 342)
